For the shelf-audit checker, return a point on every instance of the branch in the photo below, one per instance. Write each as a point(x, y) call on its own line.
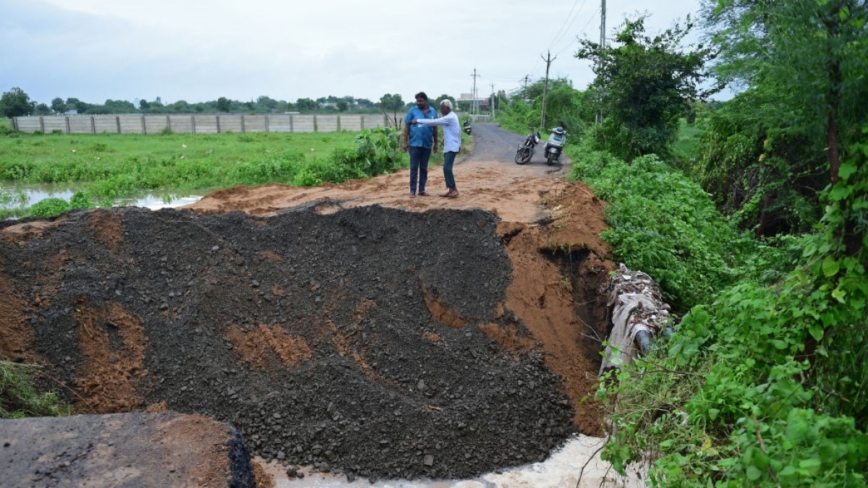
point(591, 458)
point(763, 448)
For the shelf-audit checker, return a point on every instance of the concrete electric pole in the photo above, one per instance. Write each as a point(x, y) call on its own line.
point(473, 95)
point(492, 101)
point(602, 46)
point(548, 59)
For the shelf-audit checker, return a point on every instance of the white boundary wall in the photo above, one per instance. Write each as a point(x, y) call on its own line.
point(197, 123)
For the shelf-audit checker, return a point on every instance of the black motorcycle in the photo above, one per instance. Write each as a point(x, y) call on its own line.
point(467, 126)
point(525, 151)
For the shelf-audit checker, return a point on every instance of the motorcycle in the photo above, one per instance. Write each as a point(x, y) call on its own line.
point(525, 151)
point(555, 145)
point(467, 126)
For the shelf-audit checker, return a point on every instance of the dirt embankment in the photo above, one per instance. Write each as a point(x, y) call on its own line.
point(445, 341)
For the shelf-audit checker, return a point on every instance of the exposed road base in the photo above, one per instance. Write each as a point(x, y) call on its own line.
point(134, 449)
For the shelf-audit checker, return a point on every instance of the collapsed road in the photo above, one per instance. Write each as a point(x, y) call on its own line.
point(359, 339)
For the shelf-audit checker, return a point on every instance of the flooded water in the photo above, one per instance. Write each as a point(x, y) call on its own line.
point(25, 196)
point(580, 455)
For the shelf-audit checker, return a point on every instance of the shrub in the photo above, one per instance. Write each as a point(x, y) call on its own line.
point(661, 223)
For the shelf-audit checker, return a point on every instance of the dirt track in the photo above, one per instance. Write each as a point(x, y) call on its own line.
point(332, 327)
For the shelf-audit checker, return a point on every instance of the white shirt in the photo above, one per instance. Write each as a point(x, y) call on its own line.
point(451, 130)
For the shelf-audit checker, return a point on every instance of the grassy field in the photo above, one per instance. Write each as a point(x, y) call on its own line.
point(112, 165)
point(109, 167)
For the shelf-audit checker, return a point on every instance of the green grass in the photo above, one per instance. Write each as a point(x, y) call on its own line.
point(111, 166)
point(105, 168)
point(19, 397)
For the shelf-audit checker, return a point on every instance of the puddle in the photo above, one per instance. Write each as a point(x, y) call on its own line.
point(561, 469)
point(24, 196)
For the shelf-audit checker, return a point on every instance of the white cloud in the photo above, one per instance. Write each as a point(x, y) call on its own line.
point(200, 50)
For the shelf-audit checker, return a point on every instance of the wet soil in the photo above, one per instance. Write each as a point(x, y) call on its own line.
point(356, 331)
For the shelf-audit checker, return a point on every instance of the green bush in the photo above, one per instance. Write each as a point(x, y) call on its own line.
point(660, 222)
point(764, 383)
point(51, 207)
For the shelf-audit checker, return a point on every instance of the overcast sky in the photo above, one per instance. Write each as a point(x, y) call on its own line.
point(199, 50)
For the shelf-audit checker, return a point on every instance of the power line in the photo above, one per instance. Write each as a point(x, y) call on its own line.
point(575, 39)
point(558, 33)
point(571, 22)
point(590, 19)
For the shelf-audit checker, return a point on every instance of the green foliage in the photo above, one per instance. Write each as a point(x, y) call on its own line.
point(762, 169)
point(661, 223)
point(15, 103)
point(765, 384)
point(377, 152)
point(770, 151)
point(380, 151)
point(519, 116)
point(565, 105)
point(6, 130)
point(644, 84)
point(51, 207)
point(224, 104)
point(18, 395)
point(392, 103)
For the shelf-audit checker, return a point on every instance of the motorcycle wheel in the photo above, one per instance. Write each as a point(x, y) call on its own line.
point(550, 159)
point(523, 155)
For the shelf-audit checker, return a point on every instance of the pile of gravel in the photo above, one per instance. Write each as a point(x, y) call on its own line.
point(375, 385)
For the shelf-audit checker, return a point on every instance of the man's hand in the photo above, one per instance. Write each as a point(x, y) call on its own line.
point(406, 146)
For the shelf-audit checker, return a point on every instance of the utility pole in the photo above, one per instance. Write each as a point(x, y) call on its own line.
point(492, 101)
point(602, 46)
point(525, 80)
point(475, 108)
point(548, 59)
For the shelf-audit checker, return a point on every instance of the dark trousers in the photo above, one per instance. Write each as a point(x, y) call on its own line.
point(448, 161)
point(418, 167)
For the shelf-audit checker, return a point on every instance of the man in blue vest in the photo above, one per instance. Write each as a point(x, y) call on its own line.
point(419, 140)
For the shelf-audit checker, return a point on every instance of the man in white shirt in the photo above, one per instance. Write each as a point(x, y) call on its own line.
point(451, 143)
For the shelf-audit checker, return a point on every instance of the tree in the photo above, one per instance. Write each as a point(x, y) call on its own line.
point(224, 104)
point(305, 105)
point(645, 83)
point(364, 103)
point(180, 106)
point(773, 148)
point(816, 52)
point(266, 104)
point(391, 103)
point(58, 105)
point(77, 105)
point(343, 106)
point(144, 104)
point(16, 103)
point(436, 101)
point(42, 109)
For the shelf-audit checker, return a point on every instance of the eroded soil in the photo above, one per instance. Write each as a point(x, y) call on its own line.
point(347, 327)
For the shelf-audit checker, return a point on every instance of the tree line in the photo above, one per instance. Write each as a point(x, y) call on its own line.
point(16, 102)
